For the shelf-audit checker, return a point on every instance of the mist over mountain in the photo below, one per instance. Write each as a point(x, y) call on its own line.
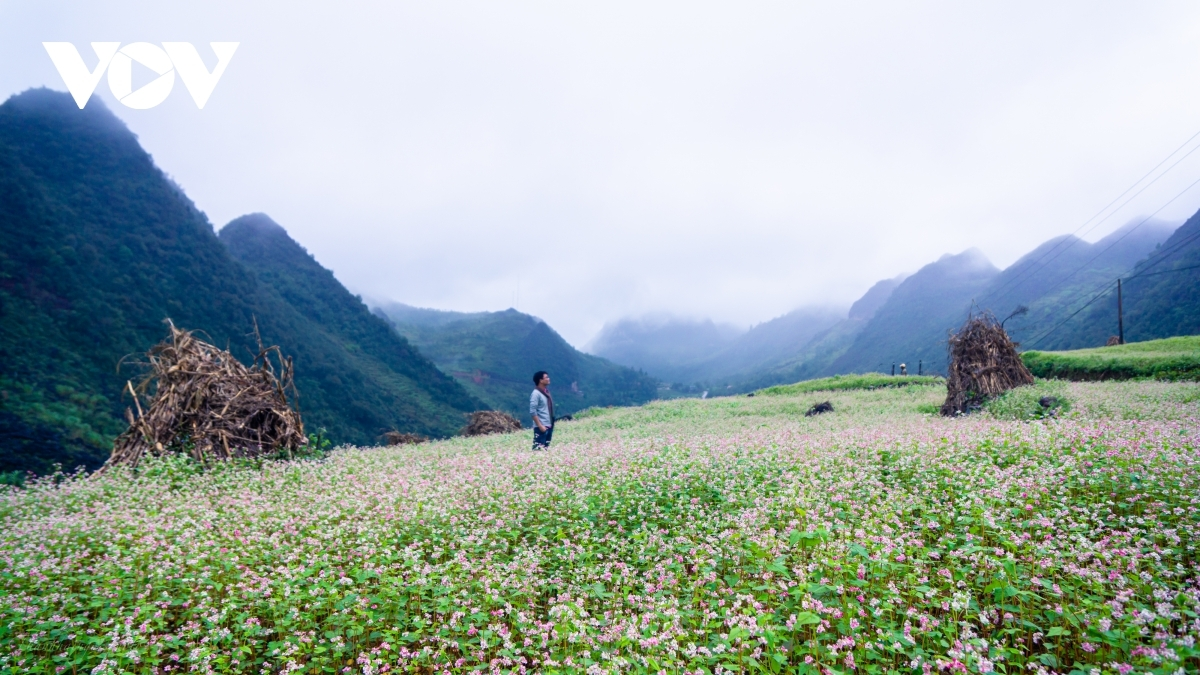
point(1161, 297)
point(907, 319)
point(768, 344)
point(865, 307)
point(494, 355)
point(815, 357)
point(910, 326)
point(98, 247)
point(707, 354)
point(1057, 277)
point(664, 346)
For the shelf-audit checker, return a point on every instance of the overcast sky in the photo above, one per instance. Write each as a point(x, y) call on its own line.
point(589, 161)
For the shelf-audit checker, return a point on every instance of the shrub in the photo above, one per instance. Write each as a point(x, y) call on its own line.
point(1044, 398)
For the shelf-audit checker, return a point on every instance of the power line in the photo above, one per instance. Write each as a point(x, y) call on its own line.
point(1166, 254)
point(1108, 287)
point(1177, 269)
point(1029, 270)
point(1122, 237)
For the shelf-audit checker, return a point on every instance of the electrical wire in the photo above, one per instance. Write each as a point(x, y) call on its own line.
point(1091, 260)
point(1023, 276)
point(1179, 246)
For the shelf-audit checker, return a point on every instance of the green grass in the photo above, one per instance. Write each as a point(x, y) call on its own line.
point(1025, 403)
point(1176, 358)
point(838, 382)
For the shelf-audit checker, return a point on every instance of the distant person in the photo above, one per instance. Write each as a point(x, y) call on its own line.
point(541, 407)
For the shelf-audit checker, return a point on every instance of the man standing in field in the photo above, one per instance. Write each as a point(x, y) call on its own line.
point(541, 407)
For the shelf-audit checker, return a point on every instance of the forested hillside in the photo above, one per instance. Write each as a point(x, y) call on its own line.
point(910, 326)
point(1056, 278)
point(97, 248)
point(1161, 297)
point(391, 384)
point(494, 355)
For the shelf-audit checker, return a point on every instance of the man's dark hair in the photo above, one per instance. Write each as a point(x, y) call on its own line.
point(537, 377)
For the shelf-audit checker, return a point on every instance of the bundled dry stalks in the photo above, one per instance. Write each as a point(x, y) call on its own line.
point(486, 422)
point(209, 405)
point(819, 408)
point(984, 363)
point(400, 438)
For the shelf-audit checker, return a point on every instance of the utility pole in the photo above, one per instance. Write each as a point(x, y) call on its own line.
point(1120, 316)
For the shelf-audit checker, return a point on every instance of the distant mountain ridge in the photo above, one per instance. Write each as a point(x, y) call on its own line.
point(721, 358)
point(494, 355)
point(907, 320)
point(1058, 276)
point(910, 325)
point(98, 247)
point(667, 347)
point(1161, 297)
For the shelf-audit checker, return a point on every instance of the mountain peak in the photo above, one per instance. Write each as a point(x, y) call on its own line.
point(256, 240)
point(48, 104)
point(259, 224)
point(970, 258)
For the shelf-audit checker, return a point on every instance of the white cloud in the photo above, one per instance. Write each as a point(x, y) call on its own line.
point(723, 160)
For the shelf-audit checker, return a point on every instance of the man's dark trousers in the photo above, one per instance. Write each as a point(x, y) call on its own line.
point(541, 439)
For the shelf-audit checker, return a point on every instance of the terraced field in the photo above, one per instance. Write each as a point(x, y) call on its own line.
point(1176, 358)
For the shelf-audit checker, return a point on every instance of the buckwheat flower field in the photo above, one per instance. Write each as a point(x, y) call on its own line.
point(722, 536)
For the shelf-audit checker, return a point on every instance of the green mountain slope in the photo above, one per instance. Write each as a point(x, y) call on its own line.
point(1060, 275)
point(97, 248)
point(392, 384)
point(494, 355)
point(911, 325)
point(1161, 297)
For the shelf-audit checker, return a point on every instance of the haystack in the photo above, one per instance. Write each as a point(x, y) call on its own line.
point(204, 402)
point(486, 422)
point(819, 408)
point(400, 438)
point(984, 363)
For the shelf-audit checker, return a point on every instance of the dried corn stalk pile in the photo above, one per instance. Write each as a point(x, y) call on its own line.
point(486, 422)
point(984, 363)
point(206, 403)
point(400, 438)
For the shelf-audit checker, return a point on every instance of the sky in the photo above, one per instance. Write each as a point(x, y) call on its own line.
point(584, 162)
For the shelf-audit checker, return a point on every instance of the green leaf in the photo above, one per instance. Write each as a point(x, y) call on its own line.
point(806, 618)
